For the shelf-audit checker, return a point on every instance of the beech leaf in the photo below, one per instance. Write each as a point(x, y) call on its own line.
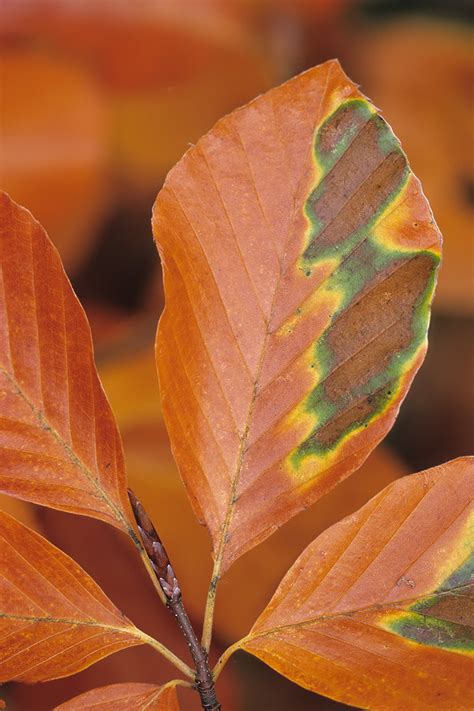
point(54, 619)
point(379, 610)
point(299, 259)
point(153, 477)
point(59, 444)
point(132, 697)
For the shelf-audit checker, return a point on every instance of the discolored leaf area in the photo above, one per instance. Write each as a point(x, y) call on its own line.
point(378, 611)
point(54, 619)
point(59, 444)
point(133, 697)
point(299, 259)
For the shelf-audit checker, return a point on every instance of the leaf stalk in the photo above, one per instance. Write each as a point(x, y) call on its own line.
point(222, 661)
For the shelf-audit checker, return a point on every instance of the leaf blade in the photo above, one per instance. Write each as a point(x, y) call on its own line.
point(60, 443)
point(273, 388)
point(136, 697)
point(351, 617)
point(49, 607)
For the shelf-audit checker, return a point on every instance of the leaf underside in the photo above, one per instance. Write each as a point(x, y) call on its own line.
point(54, 619)
point(379, 610)
point(299, 258)
point(132, 697)
point(59, 444)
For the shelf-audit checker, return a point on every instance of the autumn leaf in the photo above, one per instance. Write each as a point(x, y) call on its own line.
point(299, 256)
point(108, 558)
point(282, 548)
point(378, 610)
point(133, 697)
point(59, 442)
point(131, 385)
point(54, 619)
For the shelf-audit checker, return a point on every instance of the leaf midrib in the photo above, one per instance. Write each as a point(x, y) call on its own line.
point(376, 607)
point(45, 425)
point(33, 619)
point(243, 443)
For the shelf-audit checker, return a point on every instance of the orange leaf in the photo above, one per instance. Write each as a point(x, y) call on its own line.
point(54, 619)
point(377, 611)
point(299, 256)
point(60, 443)
point(111, 561)
point(132, 388)
point(132, 697)
point(282, 548)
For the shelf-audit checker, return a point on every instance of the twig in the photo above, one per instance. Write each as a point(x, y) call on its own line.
point(204, 681)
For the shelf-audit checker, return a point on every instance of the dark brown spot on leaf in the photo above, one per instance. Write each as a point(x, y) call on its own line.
point(386, 301)
point(355, 189)
point(351, 415)
point(458, 608)
point(364, 340)
point(348, 117)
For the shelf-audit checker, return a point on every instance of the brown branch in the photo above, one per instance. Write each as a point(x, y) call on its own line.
point(204, 681)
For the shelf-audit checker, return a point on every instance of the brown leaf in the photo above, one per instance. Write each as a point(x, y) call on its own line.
point(253, 583)
point(60, 443)
point(299, 256)
point(378, 611)
point(54, 619)
point(112, 562)
point(132, 388)
point(130, 697)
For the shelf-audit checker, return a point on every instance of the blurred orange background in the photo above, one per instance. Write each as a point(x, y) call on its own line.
point(98, 101)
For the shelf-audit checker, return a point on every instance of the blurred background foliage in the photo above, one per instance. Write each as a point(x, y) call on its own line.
point(98, 101)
